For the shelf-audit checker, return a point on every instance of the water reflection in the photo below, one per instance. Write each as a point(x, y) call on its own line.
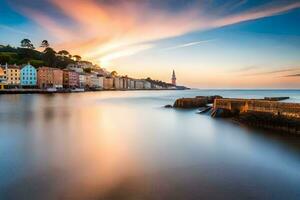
point(124, 145)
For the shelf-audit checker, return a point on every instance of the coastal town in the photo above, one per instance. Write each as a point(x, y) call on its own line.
point(51, 71)
point(73, 78)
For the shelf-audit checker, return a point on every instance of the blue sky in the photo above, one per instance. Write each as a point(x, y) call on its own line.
point(210, 43)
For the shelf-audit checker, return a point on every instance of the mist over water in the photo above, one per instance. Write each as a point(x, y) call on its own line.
point(126, 145)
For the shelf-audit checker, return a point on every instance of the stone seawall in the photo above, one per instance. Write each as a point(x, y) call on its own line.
point(291, 110)
point(279, 116)
point(265, 113)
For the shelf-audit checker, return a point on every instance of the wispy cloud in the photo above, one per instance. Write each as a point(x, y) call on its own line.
point(13, 30)
point(245, 69)
point(293, 75)
point(270, 72)
point(100, 28)
point(187, 45)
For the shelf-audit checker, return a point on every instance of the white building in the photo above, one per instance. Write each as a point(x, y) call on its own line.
point(94, 81)
point(82, 80)
point(139, 84)
point(131, 84)
point(101, 82)
point(116, 83)
point(147, 85)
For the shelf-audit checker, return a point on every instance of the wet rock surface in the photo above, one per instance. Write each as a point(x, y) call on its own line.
point(196, 102)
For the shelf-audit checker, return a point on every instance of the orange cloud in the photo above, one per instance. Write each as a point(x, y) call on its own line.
point(104, 32)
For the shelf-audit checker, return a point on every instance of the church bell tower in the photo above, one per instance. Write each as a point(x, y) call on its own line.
point(173, 78)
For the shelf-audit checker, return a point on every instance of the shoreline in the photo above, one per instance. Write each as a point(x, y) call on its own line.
point(41, 91)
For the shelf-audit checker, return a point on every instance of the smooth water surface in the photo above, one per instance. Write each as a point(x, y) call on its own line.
point(126, 145)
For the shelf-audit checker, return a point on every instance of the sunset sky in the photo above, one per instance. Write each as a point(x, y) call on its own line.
point(209, 43)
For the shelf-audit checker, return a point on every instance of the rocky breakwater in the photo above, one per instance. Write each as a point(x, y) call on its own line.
point(269, 114)
point(196, 102)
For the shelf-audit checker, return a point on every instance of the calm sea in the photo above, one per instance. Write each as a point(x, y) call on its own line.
point(125, 145)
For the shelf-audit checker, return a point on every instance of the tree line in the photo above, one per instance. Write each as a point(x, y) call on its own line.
point(27, 53)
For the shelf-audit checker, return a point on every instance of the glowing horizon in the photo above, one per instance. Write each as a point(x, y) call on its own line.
point(210, 44)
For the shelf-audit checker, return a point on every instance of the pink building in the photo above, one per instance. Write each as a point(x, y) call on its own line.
point(70, 79)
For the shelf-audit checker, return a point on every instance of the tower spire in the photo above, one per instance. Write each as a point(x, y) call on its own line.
point(173, 78)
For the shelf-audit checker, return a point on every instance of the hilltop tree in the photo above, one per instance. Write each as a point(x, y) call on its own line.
point(77, 57)
point(45, 44)
point(49, 57)
point(114, 73)
point(63, 53)
point(26, 43)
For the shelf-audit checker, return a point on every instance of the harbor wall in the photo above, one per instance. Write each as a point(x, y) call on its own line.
point(291, 110)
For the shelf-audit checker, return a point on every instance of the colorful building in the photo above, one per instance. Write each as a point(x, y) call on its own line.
point(58, 78)
point(49, 77)
point(70, 79)
point(108, 83)
point(2, 79)
point(12, 75)
point(28, 75)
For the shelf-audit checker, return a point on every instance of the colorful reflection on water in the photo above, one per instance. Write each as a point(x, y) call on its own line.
point(125, 145)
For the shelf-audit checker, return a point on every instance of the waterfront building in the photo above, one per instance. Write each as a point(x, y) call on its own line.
point(173, 78)
point(44, 77)
point(116, 83)
point(88, 80)
point(139, 84)
point(58, 78)
point(125, 82)
point(121, 82)
point(12, 75)
point(131, 84)
point(2, 79)
point(48, 77)
point(70, 79)
point(101, 81)
point(94, 81)
point(28, 75)
point(82, 80)
point(147, 85)
point(108, 83)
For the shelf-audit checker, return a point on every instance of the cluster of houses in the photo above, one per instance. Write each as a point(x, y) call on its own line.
point(73, 77)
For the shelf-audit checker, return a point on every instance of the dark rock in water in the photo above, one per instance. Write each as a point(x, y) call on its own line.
point(168, 106)
point(197, 102)
point(276, 98)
